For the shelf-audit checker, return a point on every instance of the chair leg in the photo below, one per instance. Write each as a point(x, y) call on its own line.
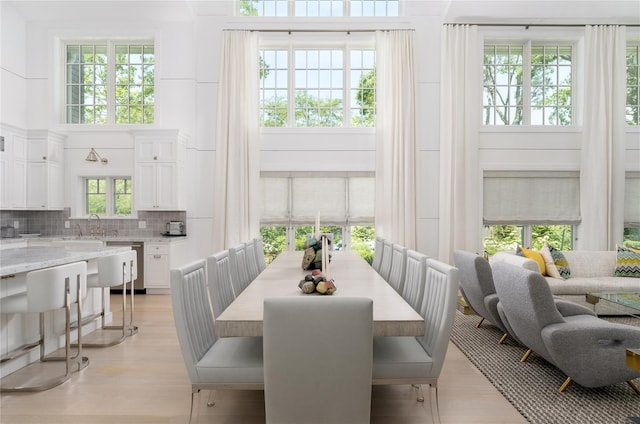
point(526, 355)
point(503, 338)
point(211, 401)
point(193, 396)
point(433, 400)
point(565, 384)
point(633, 386)
point(479, 322)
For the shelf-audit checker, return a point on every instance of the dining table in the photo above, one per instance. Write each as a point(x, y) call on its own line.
point(352, 276)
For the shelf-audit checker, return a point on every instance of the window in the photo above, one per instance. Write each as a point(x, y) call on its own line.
point(633, 85)
point(632, 210)
point(272, 8)
point(108, 196)
point(507, 237)
point(110, 83)
point(329, 88)
point(527, 84)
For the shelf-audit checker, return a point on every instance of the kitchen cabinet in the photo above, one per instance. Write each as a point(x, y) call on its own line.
point(45, 171)
point(13, 169)
point(159, 170)
point(159, 259)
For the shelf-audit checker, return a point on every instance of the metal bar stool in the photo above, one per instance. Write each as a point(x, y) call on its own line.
point(114, 270)
point(48, 289)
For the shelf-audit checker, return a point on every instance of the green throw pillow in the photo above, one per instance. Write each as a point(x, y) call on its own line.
point(560, 262)
point(627, 263)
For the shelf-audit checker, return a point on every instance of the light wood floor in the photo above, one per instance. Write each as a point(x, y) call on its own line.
point(143, 380)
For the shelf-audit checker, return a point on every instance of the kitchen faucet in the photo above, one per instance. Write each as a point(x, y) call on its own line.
point(95, 230)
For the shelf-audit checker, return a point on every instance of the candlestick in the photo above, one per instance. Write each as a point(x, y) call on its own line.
point(317, 225)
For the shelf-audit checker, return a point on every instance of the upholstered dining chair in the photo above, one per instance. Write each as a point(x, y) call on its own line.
point(416, 271)
point(262, 264)
point(251, 258)
point(317, 359)
point(212, 363)
point(239, 270)
point(377, 255)
point(219, 278)
point(419, 360)
point(387, 258)
point(583, 346)
point(398, 268)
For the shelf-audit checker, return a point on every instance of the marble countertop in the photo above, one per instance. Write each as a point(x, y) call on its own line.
point(23, 259)
point(155, 239)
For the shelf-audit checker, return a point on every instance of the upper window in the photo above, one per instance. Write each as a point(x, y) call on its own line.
point(527, 84)
point(110, 83)
point(319, 7)
point(318, 88)
point(633, 86)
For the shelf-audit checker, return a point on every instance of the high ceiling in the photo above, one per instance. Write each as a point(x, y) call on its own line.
point(454, 11)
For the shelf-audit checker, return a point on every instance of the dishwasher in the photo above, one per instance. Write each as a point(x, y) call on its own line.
point(138, 246)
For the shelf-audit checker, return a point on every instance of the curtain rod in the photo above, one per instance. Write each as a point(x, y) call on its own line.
point(527, 26)
point(348, 31)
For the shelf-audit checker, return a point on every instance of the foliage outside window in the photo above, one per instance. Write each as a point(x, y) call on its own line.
point(541, 96)
point(507, 237)
point(274, 241)
point(301, 235)
point(319, 8)
point(363, 241)
point(631, 237)
point(108, 196)
point(328, 90)
point(633, 85)
point(110, 83)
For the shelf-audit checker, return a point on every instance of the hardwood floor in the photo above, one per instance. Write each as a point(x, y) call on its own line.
point(143, 380)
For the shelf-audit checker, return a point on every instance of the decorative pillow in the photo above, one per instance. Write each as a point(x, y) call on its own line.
point(519, 251)
point(552, 269)
point(536, 256)
point(560, 262)
point(628, 262)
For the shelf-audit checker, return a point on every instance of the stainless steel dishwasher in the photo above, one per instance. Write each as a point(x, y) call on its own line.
point(138, 246)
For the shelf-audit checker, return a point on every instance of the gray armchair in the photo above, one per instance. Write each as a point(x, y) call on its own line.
point(589, 350)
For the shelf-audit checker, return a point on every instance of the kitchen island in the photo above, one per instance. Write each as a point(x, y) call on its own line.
point(19, 329)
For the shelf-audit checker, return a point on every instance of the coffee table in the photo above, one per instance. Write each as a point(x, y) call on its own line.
point(627, 303)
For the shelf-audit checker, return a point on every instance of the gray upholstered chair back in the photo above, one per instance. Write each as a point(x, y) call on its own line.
point(438, 309)
point(387, 258)
point(192, 314)
point(252, 260)
point(415, 274)
point(239, 272)
point(398, 268)
point(220, 286)
point(528, 304)
point(262, 264)
point(318, 359)
point(377, 258)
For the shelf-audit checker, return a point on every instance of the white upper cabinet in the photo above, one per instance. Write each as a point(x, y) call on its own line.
point(159, 170)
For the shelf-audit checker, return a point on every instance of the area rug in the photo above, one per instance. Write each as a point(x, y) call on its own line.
point(532, 387)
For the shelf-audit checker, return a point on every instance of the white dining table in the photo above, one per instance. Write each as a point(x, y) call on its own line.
point(353, 276)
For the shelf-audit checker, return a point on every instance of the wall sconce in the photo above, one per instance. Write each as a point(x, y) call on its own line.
point(93, 156)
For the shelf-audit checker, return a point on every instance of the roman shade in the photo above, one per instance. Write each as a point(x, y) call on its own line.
point(531, 197)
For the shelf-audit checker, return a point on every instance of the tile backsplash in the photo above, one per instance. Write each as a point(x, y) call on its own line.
point(51, 223)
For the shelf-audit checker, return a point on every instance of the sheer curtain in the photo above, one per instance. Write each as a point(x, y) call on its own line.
point(460, 224)
point(237, 172)
point(395, 204)
point(603, 140)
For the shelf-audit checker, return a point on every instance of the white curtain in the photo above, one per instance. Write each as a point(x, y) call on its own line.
point(603, 141)
point(460, 225)
point(395, 203)
point(237, 164)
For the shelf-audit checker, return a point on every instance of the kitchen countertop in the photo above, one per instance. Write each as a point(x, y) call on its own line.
point(23, 259)
point(153, 239)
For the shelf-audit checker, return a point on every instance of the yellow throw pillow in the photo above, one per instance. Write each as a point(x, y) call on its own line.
point(536, 256)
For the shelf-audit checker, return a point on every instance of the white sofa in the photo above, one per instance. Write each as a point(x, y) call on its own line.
point(591, 271)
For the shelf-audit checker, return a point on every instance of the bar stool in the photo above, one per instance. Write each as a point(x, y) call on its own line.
point(48, 289)
point(114, 270)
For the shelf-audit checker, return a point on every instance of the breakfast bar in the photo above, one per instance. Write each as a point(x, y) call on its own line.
point(16, 331)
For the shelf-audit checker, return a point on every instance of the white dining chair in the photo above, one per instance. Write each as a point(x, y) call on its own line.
point(414, 281)
point(48, 290)
point(378, 252)
point(219, 278)
point(212, 363)
point(419, 360)
point(398, 267)
point(317, 359)
point(239, 272)
point(251, 258)
point(387, 258)
point(262, 264)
